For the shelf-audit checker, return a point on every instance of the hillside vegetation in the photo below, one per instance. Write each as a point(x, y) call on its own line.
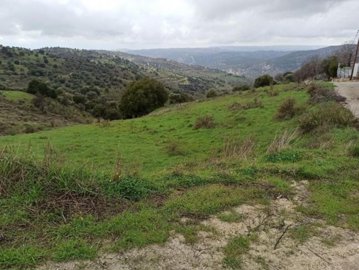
point(22, 112)
point(105, 72)
point(73, 192)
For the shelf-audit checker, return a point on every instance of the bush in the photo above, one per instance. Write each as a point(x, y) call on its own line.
point(204, 122)
point(211, 94)
point(354, 151)
point(41, 88)
point(264, 80)
point(241, 88)
point(287, 109)
point(319, 94)
point(176, 98)
point(142, 97)
point(329, 115)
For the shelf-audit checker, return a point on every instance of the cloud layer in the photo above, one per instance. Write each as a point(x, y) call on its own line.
point(112, 24)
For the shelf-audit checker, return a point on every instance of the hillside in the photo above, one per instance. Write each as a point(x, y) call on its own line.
point(78, 71)
point(249, 62)
point(20, 115)
point(253, 179)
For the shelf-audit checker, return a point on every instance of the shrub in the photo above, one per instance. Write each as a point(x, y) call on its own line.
point(204, 122)
point(354, 151)
point(211, 94)
point(328, 114)
point(175, 98)
point(265, 80)
point(287, 109)
point(41, 88)
point(319, 94)
point(241, 88)
point(142, 97)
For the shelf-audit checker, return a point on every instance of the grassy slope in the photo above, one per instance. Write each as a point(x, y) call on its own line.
point(180, 171)
point(17, 96)
point(143, 141)
point(19, 115)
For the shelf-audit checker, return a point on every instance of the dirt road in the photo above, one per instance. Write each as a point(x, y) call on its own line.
point(350, 90)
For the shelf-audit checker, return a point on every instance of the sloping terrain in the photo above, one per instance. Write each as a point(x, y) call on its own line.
point(20, 115)
point(263, 179)
point(80, 71)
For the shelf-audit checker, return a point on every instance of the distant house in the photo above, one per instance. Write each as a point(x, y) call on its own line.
point(345, 72)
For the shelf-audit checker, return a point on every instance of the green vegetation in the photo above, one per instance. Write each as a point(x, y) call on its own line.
point(230, 216)
point(143, 97)
point(36, 87)
point(235, 248)
point(264, 80)
point(69, 193)
point(16, 96)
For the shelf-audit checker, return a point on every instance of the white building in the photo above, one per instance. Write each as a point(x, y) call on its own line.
point(356, 70)
point(346, 72)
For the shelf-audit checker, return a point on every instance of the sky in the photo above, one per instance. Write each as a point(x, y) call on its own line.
point(143, 24)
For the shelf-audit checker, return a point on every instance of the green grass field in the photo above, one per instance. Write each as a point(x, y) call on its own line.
point(72, 192)
point(16, 95)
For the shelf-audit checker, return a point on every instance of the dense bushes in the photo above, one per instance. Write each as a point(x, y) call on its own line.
point(36, 87)
point(142, 97)
point(318, 68)
point(264, 80)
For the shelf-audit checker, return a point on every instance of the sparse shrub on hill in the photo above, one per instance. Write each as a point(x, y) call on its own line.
point(142, 97)
point(287, 109)
point(211, 94)
point(204, 122)
point(319, 94)
point(326, 115)
point(240, 88)
point(264, 80)
point(175, 98)
point(354, 151)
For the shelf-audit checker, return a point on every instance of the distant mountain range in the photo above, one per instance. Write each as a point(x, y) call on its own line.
point(245, 61)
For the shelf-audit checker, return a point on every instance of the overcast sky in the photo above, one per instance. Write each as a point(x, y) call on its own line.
point(134, 24)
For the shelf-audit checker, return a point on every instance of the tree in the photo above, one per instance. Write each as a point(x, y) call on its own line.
point(41, 88)
point(264, 80)
point(330, 66)
point(309, 70)
point(142, 97)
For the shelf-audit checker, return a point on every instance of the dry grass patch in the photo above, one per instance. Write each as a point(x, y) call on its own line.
point(204, 122)
point(282, 141)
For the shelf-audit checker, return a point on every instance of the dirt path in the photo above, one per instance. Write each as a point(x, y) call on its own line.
point(328, 248)
point(350, 90)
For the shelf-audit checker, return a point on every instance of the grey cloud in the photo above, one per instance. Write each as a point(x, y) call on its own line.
point(185, 23)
